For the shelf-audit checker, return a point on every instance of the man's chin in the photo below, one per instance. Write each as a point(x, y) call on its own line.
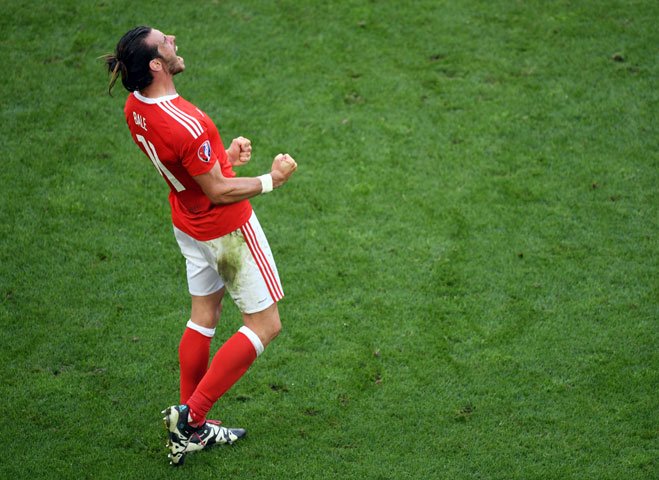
point(179, 67)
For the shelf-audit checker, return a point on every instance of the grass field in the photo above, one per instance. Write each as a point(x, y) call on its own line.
point(469, 247)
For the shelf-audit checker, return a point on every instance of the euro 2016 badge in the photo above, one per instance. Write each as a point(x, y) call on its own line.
point(204, 152)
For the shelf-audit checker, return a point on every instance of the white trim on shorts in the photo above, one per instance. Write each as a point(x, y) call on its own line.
point(241, 261)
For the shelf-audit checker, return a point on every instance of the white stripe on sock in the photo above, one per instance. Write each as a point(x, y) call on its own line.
point(254, 338)
point(208, 332)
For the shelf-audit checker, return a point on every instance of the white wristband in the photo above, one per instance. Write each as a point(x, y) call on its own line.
point(266, 183)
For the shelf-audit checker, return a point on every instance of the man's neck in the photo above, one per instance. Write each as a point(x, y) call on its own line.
point(160, 88)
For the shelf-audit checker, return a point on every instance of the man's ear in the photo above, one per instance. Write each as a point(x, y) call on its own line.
point(155, 64)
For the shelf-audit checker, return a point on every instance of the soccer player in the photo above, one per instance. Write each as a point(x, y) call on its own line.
point(218, 233)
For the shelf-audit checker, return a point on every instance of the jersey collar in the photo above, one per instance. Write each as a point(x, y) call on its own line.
point(144, 99)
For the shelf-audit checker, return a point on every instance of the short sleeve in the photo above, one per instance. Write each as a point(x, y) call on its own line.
point(198, 156)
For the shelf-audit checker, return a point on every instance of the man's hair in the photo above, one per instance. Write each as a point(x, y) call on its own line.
point(131, 59)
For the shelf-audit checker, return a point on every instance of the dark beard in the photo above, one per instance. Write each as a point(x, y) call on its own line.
point(174, 66)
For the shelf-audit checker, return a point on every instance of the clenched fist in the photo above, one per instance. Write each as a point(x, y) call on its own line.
point(240, 151)
point(283, 167)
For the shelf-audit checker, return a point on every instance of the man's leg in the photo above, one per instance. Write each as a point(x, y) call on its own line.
point(233, 359)
point(194, 348)
point(265, 324)
point(185, 435)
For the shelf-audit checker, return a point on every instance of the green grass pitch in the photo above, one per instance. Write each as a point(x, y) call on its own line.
point(469, 247)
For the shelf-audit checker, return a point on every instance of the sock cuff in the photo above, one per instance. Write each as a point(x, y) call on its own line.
point(207, 332)
point(254, 338)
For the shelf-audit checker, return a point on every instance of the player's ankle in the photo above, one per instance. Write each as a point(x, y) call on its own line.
point(194, 420)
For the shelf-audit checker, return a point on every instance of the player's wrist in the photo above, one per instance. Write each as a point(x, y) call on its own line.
point(231, 156)
point(266, 183)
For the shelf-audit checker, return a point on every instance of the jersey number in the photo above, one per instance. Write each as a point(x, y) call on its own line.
point(151, 152)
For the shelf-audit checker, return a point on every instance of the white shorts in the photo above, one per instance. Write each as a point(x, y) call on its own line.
point(241, 261)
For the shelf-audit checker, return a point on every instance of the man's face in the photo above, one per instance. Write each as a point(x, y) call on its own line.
point(173, 64)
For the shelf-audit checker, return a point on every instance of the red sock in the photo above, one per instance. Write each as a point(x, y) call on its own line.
point(193, 354)
point(229, 364)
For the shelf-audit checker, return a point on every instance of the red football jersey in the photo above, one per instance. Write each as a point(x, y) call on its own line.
point(182, 142)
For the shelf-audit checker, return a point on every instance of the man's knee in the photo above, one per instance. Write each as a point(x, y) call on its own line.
point(276, 327)
point(266, 324)
point(206, 310)
point(271, 325)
